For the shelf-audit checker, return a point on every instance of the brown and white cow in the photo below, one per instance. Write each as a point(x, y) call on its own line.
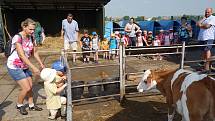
point(191, 94)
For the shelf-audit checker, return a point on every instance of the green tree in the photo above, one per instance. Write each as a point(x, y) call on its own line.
point(214, 14)
point(126, 17)
point(140, 18)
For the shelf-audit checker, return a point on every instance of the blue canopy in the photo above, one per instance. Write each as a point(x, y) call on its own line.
point(166, 24)
point(108, 28)
point(146, 25)
point(149, 26)
point(123, 23)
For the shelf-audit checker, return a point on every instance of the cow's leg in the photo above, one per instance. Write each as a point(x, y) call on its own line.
point(171, 113)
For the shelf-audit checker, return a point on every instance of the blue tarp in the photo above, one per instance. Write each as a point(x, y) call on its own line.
point(146, 25)
point(123, 23)
point(108, 28)
point(149, 26)
point(166, 24)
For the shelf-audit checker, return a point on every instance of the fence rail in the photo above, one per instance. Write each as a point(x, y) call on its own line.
point(180, 49)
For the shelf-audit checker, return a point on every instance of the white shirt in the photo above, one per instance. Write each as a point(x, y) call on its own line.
point(70, 30)
point(131, 27)
point(207, 34)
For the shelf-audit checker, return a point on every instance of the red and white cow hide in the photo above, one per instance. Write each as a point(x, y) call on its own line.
point(190, 93)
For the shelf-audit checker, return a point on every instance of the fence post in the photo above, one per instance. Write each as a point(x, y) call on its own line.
point(122, 70)
point(69, 92)
point(183, 55)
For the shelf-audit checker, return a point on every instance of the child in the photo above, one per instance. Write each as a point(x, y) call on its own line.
point(53, 100)
point(150, 38)
point(166, 38)
point(85, 44)
point(145, 36)
point(171, 37)
point(125, 39)
point(95, 46)
point(157, 42)
point(117, 36)
point(113, 45)
point(139, 39)
point(105, 46)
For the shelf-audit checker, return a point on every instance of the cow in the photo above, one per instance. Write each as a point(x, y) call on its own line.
point(191, 94)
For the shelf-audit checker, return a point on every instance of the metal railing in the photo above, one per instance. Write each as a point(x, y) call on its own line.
point(180, 49)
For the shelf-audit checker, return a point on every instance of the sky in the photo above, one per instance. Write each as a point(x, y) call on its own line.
point(150, 8)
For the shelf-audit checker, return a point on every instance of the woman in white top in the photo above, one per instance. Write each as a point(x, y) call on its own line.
point(131, 28)
point(18, 64)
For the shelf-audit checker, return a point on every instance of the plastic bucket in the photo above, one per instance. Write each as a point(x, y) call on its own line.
point(112, 88)
point(77, 92)
point(95, 90)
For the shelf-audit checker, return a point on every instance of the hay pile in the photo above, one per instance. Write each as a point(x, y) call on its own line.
point(52, 44)
point(55, 44)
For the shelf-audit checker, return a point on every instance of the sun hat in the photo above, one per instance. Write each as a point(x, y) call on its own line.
point(112, 35)
point(58, 66)
point(48, 74)
point(105, 36)
point(150, 32)
point(116, 32)
point(94, 33)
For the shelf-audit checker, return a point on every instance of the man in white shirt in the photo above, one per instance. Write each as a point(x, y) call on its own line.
point(131, 28)
point(69, 33)
point(207, 34)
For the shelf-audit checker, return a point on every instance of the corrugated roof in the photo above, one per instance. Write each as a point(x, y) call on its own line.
point(54, 4)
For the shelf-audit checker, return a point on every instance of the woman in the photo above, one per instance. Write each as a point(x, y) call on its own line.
point(131, 28)
point(18, 64)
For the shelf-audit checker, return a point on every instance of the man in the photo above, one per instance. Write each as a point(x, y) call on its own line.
point(131, 28)
point(69, 32)
point(206, 35)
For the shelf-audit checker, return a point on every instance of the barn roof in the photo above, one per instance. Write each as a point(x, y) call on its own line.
point(54, 4)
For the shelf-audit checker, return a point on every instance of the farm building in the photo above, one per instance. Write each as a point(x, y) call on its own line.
point(50, 13)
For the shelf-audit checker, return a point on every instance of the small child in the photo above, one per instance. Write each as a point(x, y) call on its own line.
point(157, 42)
point(150, 38)
point(53, 100)
point(118, 37)
point(166, 38)
point(85, 44)
point(113, 45)
point(105, 46)
point(139, 39)
point(125, 39)
point(95, 46)
point(171, 37)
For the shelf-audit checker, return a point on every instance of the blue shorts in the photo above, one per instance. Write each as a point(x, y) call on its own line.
point(19, 74)
point(205, 42)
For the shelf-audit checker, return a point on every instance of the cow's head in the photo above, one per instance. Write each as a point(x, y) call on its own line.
point(152, 79)
point(147, 82)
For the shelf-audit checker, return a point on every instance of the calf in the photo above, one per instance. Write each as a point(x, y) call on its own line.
point(191, 94)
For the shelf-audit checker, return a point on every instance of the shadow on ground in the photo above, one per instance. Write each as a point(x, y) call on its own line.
point(2, 106)
point(142, 111)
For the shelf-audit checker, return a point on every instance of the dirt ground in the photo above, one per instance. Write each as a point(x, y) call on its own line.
point(138, 107)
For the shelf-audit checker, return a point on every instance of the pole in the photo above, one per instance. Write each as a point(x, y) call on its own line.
point(122, 79)
point(183, 55)
point(69, 92)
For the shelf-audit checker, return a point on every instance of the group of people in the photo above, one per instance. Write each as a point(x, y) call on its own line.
point(20, 67)
point(138, 38)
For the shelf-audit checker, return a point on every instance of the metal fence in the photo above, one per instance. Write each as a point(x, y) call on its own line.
point(179, 49)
